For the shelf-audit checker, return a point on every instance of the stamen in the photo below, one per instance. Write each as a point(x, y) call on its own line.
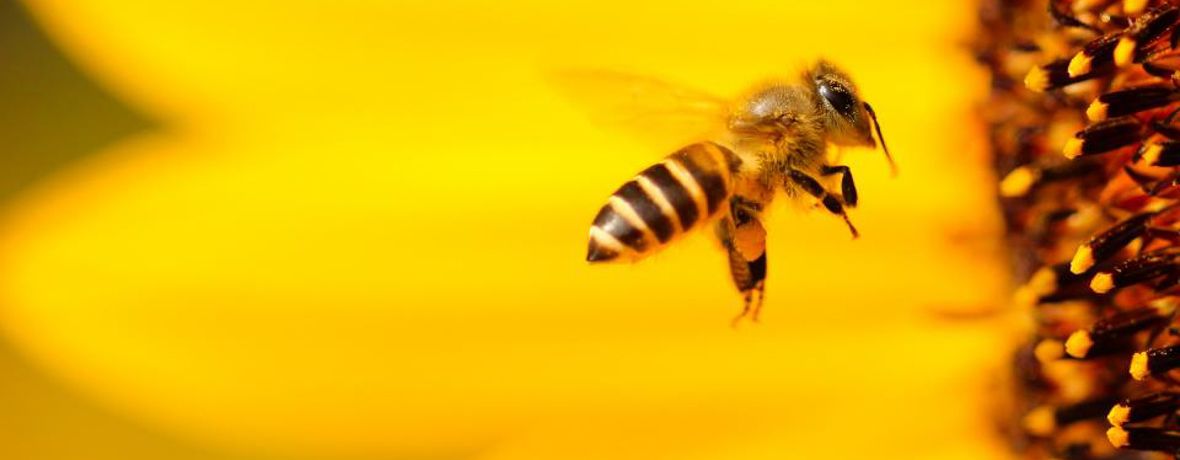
point(1079, 344)
point(1102, 283)
point(1154, 361)
point(1124, 52)
point(1018, 182)
point(1143, 409)
point(1108, 243)
point(1130, 101)
point(1145, 30)
point(1048, 350)
point(1144, 438)
point(1144, 267)
point(1039, 79)
point(1104, 136)
point(1134, 6)
point(1110, 334)
point(1150, 153)
point(1040, 421)
point(1157, 70)
point(1097, 53)
point(1097, 111)
point(1083, 259)
point(1047, 283)
point(1043, 420)
point(1056, 75)
point(1165, 153)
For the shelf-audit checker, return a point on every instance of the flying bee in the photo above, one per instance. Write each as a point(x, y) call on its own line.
point(774, 139)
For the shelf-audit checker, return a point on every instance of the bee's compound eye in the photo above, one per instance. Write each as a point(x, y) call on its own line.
point(839, 97)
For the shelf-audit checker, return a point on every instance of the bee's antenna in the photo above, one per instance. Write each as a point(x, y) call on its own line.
point(877, 126)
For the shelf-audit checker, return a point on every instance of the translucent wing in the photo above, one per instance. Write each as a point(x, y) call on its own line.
point(652, 110)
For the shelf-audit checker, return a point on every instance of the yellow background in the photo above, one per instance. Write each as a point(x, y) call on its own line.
point(358, 227)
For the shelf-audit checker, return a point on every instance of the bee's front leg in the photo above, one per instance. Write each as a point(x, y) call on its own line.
point(847, 186)
point(744, 239)
point(831, 202)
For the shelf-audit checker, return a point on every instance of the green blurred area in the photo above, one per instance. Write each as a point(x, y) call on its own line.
point(52, 115)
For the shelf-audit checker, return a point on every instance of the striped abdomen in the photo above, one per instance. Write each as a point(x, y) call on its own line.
point(686, 189)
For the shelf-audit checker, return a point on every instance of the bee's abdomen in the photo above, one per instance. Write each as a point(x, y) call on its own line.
point(663, 201)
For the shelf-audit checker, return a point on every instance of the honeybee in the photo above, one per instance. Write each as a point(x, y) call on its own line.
point(773, 139)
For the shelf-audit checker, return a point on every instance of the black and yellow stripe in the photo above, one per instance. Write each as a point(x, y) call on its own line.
point(665, 200)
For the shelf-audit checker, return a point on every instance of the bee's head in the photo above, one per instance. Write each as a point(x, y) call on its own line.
point(848, 119)
point(839, 106)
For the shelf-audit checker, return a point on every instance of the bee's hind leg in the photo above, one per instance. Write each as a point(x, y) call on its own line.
point(744, 239)
point(831, 202)
point(750, 278)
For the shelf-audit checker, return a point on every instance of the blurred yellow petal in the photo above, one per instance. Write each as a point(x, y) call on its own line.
point(361, 232)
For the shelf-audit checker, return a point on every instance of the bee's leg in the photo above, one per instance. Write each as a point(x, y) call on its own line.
point(812, 187)
point(847, 186)
point(744, 239)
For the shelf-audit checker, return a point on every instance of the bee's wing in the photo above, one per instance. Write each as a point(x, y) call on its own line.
point(650, 109)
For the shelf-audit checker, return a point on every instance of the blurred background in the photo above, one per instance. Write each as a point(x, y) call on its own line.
point(356, 230)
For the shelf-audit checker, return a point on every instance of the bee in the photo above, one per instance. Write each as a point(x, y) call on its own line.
point(774, 139)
